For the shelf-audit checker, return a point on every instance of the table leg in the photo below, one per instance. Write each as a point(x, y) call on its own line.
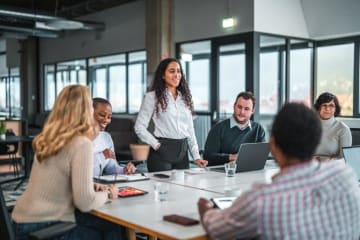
point(131, 235)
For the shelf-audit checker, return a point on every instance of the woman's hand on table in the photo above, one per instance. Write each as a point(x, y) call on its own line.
point(129, 168)
point(201, 162)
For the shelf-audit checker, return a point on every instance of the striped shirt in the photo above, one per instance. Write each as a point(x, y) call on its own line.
point(313, 200)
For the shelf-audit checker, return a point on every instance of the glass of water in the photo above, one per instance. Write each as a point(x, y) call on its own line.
point(161, 191)
point(230, 169)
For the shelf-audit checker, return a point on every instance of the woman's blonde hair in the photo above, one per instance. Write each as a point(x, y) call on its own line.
point(72, 116)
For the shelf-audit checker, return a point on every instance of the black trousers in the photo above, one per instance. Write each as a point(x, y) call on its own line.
point(172, 154)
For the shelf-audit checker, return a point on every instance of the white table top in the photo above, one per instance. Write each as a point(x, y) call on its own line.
point(143, 213)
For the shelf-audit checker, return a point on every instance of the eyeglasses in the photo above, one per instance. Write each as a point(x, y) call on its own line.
point(331, 105)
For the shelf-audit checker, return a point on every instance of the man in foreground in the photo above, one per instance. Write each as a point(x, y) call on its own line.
point(307, 199)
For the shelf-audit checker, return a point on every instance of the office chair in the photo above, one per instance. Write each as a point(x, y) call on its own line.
point(7, 230)
point(10, 149)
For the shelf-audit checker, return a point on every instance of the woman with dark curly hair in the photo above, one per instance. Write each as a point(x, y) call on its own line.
point(169, 105)
point(336, 134)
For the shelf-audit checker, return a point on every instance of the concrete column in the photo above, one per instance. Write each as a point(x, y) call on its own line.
point(159, 42)
point(29, 78)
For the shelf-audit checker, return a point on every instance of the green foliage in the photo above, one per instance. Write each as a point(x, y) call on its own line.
point(2, 127)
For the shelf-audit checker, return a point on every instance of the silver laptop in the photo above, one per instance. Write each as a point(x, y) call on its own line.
point(352, 158)
point(251, 156)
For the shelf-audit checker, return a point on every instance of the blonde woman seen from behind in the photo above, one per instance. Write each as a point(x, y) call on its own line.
point(61, 179)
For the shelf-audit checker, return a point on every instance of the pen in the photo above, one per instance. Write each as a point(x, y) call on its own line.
point(142, 174)
point(100, 171)
point(226, 200)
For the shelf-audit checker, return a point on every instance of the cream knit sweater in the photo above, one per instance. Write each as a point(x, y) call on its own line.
point(60, 184)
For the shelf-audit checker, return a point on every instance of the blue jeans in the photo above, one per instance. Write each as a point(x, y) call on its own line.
point(22, 230)
point(88, 227)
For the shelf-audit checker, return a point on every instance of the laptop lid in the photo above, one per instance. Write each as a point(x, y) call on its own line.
point(251, 157)
point(352, 158)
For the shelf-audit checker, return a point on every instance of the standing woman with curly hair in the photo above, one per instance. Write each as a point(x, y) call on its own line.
point(169, 105)
point(61, 178)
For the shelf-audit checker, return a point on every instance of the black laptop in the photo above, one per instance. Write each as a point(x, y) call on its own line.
point(251, 157)
point(352, 158)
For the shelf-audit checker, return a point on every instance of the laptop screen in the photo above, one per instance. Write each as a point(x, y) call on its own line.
point(352, 158)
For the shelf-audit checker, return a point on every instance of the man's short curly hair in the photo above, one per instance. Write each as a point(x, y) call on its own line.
point(297, 131)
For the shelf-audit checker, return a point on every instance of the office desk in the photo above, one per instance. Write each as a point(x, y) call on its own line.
point(26, 151)
point(142, 213)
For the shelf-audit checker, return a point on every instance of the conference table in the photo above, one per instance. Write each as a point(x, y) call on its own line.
point(145, 214)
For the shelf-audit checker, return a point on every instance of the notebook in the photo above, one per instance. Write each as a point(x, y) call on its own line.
point(108, 179)
point(251, 156)
point(352, 158)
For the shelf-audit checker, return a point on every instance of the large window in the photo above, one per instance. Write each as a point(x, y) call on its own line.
point(300, 71)
point(10, 101)
point(120, 78)
point(335, 74)
point(137, 80)
point(231, 76)
point(108, 79)
point(272, 69)
point(57, 76)
point(4, 82)
point(195, 59)
point(14, 86)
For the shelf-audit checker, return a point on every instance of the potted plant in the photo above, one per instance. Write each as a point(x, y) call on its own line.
point(2, 129)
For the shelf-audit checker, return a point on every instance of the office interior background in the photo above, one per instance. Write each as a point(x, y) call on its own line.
point(282, 50)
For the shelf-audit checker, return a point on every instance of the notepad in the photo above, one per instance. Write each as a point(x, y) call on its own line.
point(223, 202)
point(107, 179)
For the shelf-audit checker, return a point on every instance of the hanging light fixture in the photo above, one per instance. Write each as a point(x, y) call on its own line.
point(228, 21)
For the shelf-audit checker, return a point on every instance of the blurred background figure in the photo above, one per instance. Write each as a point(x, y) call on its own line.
point(336, 134)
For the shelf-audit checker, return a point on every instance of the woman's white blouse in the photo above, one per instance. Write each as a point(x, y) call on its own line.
point(103, 166)
point(174, 122)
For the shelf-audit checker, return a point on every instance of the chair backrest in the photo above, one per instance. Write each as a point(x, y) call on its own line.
point(7, 228)
point(9, 148)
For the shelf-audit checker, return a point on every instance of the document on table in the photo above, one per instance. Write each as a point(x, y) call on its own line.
point(223, 202)
point(120, 178)
point(195, 171)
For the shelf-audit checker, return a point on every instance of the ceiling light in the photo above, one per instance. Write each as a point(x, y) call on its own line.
point(228, 22)
point(64, 24)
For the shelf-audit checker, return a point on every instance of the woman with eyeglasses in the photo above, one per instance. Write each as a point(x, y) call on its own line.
point(336, 134)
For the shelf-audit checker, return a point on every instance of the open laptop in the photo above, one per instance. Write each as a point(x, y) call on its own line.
point(251, 156)
point(352, 158)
